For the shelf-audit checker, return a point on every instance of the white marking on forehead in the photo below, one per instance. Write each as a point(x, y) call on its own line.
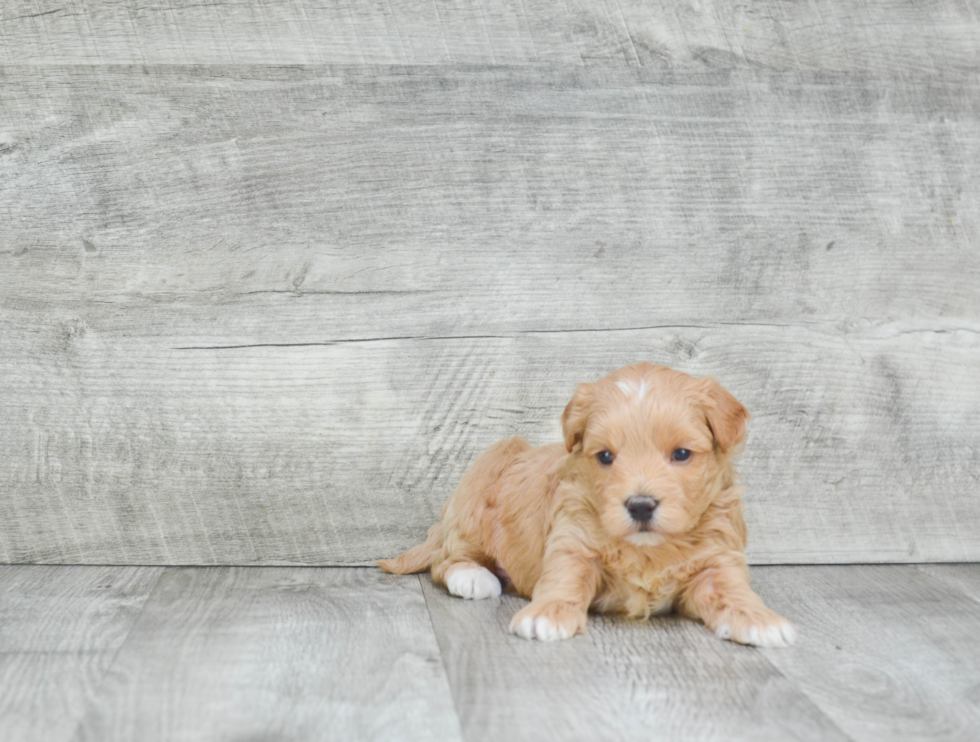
point(631, 387)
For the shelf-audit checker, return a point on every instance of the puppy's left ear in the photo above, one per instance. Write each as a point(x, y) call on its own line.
point(726, 415)
point(576, 415)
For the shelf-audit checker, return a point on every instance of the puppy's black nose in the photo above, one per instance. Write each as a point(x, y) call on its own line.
point(641, 508)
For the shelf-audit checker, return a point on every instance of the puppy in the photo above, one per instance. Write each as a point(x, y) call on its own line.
point(637, 513)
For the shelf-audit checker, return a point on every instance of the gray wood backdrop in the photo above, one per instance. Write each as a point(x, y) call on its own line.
point(273, 274)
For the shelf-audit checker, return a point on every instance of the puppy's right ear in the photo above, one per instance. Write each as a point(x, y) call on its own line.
point(576, 416)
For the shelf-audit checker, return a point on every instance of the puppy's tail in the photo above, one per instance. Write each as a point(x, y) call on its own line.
point(418, 558)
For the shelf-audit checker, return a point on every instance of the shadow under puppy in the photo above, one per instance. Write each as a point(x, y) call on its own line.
point(637, 513)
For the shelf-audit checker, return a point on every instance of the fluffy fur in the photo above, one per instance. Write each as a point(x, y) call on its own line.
point(552, 521)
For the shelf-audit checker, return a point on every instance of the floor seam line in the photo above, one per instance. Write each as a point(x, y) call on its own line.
point(442, 658)
point(112, 663)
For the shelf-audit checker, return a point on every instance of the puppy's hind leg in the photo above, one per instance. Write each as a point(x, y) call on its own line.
point(467, 579)
point(472, 581)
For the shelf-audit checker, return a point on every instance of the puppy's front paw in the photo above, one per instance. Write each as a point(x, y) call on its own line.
point(474, 584)
point(761, 628)
point(547, 622)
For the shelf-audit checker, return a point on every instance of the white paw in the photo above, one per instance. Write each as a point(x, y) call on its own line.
point(776, 635)
point(539, 628)
point(474, 584)
point(548, 621)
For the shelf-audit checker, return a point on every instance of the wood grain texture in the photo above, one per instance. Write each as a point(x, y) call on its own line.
point(886, 652)
point(285, 654)
point(963, 577)
point(891, 36)
point(346, 452)
point(664, 679)
point(352, 203)
point(60, 629)
point(270, 315)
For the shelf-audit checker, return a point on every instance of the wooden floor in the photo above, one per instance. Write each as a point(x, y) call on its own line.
point(886, 652)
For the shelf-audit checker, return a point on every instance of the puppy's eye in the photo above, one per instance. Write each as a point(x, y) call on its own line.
point(681, 454)
point(605, 457)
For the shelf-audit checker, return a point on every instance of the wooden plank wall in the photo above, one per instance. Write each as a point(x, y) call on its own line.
point(273, 274)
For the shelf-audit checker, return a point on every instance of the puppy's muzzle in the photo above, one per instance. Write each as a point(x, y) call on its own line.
point(641, 508)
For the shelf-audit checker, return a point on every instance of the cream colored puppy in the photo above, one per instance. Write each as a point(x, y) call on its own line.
point(637, 513)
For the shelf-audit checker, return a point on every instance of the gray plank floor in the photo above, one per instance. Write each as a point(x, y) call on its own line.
point(292, 653)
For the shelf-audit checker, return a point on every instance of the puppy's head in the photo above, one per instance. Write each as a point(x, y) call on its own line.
point(652, 447)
